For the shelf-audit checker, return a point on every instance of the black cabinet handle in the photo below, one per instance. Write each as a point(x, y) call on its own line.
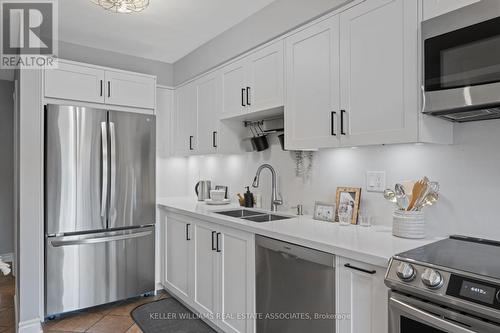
point(214, 233)
point(191, 142)
point(360, 269)
point(248, 96)
point(101, 88)
point(342, 112)
point(333, 122)
point(187, 232)
point(218, 242)
point(243, 97)
point(214, 139)
point(109, 88)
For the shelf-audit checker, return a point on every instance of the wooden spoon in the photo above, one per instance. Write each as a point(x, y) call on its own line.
point(419, 188)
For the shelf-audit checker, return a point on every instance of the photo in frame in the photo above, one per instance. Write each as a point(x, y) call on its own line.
point(348, 199)
point(324, 211)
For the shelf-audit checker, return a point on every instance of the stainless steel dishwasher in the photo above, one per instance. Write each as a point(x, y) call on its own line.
point(295, 288)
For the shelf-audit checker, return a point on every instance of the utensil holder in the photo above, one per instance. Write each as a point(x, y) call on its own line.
point(409, 224)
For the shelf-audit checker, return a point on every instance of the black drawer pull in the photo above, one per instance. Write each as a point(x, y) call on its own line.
point(214, 139)
point(101, 88)
point(191, 142)
point(243, 97)
point(248, 96)
point(372, 272)
point(188, 237)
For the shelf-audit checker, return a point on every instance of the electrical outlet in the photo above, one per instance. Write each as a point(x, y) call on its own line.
point(375, 181)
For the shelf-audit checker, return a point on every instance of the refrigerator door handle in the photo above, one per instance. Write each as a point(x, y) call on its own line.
point(112, 203)
point(61, 243)
point(104, 161)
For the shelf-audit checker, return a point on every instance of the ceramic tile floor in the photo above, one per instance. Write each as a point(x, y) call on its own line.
point(112, 318)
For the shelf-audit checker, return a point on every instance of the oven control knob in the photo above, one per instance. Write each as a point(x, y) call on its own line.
point(432, 278)
point(406, 272)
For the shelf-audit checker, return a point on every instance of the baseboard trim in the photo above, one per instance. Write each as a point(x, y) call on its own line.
point(7, 257)
point(30, 326)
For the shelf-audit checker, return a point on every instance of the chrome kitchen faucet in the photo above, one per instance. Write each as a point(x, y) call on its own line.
point(274, 196)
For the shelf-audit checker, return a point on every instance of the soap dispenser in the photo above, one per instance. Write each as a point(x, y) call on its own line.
point(248, 198)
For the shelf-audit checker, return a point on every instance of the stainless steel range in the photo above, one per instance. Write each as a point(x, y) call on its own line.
point(451, 286)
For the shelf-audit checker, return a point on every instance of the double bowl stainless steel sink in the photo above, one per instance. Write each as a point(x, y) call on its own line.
point(252, 215)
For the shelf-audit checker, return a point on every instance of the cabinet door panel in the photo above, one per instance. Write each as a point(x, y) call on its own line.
point(363, 296)
point(237, 280)
point(185, 120)
point(378, 48)
point(265, 74)
point(312, 74)
point(205, 269)
point(233, 81)
point(130, 90)
point(164, 117)
point(75, 82)
point(178, 256)
point(208, 102)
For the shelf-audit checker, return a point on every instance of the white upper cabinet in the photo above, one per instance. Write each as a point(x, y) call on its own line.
point(265, 78)
point(75, 82)
point(378, 72)
point(234, 89)
point(164, 121)
point(433, 8)
point(312, 105)
point(185, 120)
point(253, 83)
point(361, 293)
point(208, 107)
point(130, 90)
point(86, 83)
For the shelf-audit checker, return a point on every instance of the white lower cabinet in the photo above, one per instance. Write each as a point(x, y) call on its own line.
point(179, 256)
point(362, 295)
point(212, 269)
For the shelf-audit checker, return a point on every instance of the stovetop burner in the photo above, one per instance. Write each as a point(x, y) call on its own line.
point(471, 255)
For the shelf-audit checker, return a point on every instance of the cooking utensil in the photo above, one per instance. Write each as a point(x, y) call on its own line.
point(434, 186)
point(429, 200)
point(390, 196)
point(259, 140)
point(419, 190)
point(401, 197)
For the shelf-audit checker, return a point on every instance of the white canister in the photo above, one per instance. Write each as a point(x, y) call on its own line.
point(409, 224)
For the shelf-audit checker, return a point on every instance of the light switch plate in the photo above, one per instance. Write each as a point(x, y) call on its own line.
point(375, 181)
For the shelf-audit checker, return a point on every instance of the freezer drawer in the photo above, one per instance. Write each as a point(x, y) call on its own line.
point(87, 270)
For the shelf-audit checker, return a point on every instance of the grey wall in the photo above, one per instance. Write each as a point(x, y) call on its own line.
point(6, 167)
point(100, 57)
point(272, 21)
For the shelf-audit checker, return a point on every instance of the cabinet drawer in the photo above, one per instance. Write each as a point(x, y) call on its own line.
point(75, 82)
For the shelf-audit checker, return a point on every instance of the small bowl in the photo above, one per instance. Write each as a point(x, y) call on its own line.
point(217, 195)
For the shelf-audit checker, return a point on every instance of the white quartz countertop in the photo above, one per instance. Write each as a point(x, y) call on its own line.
point(373, 245)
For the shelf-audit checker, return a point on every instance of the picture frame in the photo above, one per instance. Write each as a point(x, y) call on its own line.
point(324, 211)
point(348, 200)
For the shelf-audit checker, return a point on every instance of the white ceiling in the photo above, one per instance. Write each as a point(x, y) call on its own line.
point(166, 31)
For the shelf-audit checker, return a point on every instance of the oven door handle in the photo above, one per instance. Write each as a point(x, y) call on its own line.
point(436, 321)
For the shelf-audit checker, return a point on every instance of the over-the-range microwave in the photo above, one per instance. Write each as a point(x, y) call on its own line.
point(462, 63)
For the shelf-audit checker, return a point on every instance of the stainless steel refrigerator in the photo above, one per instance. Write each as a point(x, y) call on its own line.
point(99, 206)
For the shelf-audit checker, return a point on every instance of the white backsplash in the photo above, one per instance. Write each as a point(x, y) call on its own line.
point(468, 171)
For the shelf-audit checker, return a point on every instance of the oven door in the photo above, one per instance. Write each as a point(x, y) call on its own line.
point(411, 315)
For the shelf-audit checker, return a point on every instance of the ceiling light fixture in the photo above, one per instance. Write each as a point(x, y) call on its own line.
point(123, 6)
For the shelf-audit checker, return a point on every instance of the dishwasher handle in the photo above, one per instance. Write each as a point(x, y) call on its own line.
point(295, 252)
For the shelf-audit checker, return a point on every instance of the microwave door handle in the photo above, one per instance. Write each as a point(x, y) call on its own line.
point(423, 97)
point(112, 196)
point(104, 161)
point(428, 318)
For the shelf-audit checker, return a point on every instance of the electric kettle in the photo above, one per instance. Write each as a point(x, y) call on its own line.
point(202, 189)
